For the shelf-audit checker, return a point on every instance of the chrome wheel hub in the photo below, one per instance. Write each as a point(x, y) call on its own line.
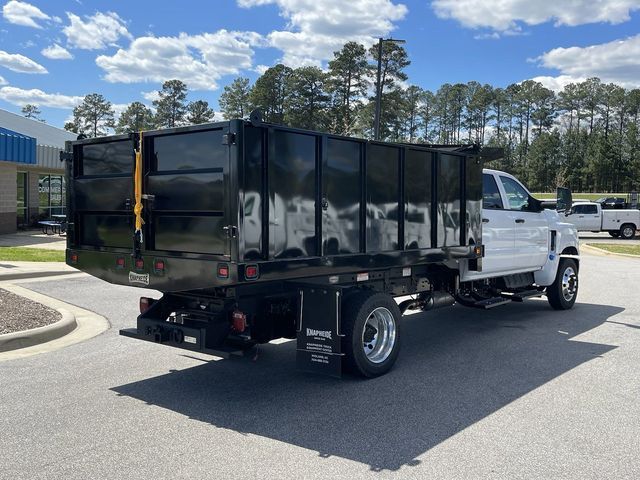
point(569, 284)
point(379, 335)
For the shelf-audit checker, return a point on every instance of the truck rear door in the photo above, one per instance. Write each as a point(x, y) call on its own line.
point(187, 186)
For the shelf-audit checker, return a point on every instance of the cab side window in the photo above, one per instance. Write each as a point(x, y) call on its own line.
point(517, 196)
point(490, 193)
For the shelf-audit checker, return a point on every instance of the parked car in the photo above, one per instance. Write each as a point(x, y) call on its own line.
point(591, 217)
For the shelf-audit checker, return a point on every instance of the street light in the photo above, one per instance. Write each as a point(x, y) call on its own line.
point(376, 122)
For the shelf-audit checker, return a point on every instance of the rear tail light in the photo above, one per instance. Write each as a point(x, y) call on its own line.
point(73, 257)
point(223, 271)
point(238, 321)
point(120, 262)
point(139, 263)
point(145, 303)
point(251, 272)
point(158, 266)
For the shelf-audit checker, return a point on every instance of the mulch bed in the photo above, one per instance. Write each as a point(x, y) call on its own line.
point(18, 313)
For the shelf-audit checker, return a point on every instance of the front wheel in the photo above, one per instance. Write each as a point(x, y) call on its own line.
point(371, 329)
point(627, 231)
point(562, 293)
point(614, 234)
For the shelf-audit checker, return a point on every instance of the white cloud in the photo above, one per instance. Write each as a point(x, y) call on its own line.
point(56, 52)
point(3, 81)
point(558, 83)
point(260, 69)
point(156, 59)
point(317, 28)
point(95, 32)
point(20, 63)
point(151, 95)
point(21, 97)
point(506, 15)
point(23, 13)
point(617, 62)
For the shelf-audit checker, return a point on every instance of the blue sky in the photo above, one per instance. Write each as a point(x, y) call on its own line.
point(53, 53)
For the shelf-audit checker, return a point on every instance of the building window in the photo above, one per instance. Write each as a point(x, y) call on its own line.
point(22, 199)
point(51, 195)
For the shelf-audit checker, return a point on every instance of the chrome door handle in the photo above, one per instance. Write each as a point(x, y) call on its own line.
point(519, 220)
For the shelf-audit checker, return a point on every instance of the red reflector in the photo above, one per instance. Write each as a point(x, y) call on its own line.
point(251, 271)
point(145, 303)
point(159, 265)
point(120, 262)
point(73, 258)
point(239, 321)
point(139, 263)
point(223, 271)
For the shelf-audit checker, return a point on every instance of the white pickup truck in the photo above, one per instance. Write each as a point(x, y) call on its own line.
point(530, 250)
point(590, 217)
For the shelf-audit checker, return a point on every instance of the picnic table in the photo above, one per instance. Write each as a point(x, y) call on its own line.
point(57, 225)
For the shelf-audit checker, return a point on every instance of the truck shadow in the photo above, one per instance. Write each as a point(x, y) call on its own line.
point(457, 366)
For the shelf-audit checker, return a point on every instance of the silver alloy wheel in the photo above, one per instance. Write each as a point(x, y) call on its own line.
point(627, 232)
point(569, 284)
point(379, 335)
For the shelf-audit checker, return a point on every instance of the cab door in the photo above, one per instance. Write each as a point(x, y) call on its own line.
point(531, 228)
point(498, 229)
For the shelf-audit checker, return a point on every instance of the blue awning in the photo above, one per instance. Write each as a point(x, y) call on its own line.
point(17, 148)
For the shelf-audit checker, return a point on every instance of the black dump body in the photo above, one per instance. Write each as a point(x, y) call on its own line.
point(234, 203)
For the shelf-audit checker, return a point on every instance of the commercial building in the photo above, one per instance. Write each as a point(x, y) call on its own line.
point(32, 184)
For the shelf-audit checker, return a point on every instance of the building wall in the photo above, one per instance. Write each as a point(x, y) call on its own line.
point(8, 195)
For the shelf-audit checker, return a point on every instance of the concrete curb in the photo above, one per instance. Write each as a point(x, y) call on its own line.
point(21, 276)
point(87, 325)
point(35, 336)
point(601, 251)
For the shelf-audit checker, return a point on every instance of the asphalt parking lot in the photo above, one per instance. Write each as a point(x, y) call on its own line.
point(520, 391)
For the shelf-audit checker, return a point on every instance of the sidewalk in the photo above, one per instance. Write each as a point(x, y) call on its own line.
point(33, 239)
point(13, 270)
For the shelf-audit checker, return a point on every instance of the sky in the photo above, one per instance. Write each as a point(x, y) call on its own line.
point(52, 53)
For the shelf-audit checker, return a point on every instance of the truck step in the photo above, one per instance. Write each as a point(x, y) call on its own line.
point(522, 296)
point(491, 302)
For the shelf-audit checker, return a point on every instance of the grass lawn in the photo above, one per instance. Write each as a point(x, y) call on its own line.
point(617, 248)
point(25, 254)
point(577, 195)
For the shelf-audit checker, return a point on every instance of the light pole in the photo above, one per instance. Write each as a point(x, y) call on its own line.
point(376, 121)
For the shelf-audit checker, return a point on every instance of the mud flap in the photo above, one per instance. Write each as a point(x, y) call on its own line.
point(318, 332)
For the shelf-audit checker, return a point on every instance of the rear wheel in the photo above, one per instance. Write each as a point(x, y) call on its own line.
point(562, 293)
point(627, 231)
point(371, 342)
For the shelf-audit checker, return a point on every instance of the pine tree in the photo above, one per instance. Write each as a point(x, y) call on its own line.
point(171, 105)
point(32, 111)
point(348, 82)
point(94, 116)
point(269, 93)
point(234, 100)
point(199, 112)
point(134, 118)
point(307, 101)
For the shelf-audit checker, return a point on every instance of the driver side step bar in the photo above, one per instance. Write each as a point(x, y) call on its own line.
point(522, 296)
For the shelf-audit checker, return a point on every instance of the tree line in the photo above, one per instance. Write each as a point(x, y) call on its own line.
point(586, 136)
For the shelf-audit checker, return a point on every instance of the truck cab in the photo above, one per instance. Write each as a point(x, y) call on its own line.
point(520, 234)
point(591, 217)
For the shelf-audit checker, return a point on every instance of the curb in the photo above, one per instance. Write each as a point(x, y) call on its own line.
point(22, 276)
point(36, 336)
point(601, 251)
point(87, 325)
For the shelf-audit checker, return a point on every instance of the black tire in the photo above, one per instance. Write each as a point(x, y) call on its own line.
point(627, 231)
point(614, 234)
point(562, 293)
point(355, 312)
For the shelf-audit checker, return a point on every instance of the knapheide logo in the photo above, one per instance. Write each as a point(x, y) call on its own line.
point(319, 333)
point(142, 278)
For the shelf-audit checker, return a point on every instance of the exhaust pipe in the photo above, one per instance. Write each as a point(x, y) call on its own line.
point(436, 299)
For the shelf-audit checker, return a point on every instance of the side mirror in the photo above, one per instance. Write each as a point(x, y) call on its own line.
point(565, 201)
